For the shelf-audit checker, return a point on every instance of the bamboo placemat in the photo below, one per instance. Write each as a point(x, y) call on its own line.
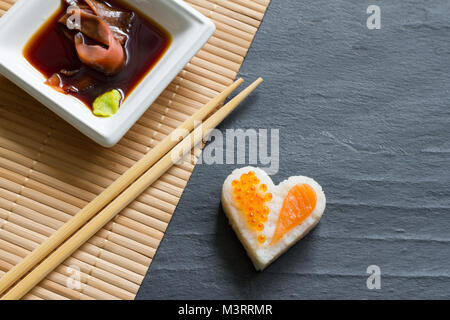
point(48, 170)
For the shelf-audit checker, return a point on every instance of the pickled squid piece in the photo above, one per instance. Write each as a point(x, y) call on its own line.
point(90, 25)
point(118, 21)
point(56, 82)
point(107, 60)
point(70, 81)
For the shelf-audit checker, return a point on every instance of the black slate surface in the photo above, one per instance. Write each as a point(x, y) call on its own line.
point(364, 112)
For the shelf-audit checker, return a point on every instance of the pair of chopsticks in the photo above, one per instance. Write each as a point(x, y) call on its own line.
point(88, 221)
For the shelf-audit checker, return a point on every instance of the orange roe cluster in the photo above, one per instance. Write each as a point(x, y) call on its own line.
point(251, 196)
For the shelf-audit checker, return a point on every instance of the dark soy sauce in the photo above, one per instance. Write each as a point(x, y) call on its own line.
point(50, 51)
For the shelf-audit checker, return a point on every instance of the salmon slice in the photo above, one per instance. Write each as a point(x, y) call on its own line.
point(297, 207)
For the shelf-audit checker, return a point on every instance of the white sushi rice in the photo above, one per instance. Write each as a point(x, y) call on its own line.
point(263, 255)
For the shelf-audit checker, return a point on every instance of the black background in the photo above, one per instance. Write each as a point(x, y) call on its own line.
point(365, 113)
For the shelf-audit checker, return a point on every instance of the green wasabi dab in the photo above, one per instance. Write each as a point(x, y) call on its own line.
point(107, 104)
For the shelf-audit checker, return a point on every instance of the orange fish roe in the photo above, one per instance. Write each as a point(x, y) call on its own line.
point(251, 198)
point(261, 238)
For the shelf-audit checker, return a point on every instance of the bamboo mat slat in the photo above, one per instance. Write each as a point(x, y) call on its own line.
point(49, 171)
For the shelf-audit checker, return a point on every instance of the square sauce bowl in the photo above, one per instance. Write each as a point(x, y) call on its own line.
point(188, 29)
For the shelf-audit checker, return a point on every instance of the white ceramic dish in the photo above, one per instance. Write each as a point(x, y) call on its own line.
point(189, 30)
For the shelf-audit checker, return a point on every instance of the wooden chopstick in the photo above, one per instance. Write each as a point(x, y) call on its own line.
point(125, 198)
point(85, 214)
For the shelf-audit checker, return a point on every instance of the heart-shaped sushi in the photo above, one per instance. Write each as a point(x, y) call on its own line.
point(269, 219)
